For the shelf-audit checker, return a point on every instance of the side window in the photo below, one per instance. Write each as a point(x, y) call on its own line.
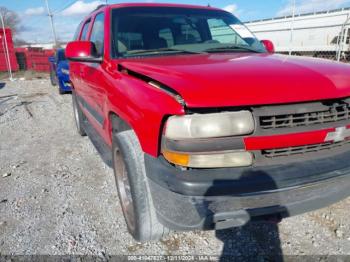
point(190, 32)
point(129, 41)
point(97, 33)
point(167, 35)
point(223, 33)
point(85, 31)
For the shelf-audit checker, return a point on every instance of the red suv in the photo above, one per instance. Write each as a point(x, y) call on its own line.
point(205, 127)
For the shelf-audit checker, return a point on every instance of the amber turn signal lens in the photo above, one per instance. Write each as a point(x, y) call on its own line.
point(217, 160)
point(176, 158)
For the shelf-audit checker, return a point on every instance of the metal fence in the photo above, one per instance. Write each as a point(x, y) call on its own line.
point(319, 34)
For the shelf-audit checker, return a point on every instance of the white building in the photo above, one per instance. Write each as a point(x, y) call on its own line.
point(313, 33)
point(43, 46)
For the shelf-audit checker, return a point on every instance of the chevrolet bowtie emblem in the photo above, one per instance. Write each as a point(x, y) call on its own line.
point(340, 134)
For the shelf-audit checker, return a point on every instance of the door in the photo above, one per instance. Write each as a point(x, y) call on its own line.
point(93, 76)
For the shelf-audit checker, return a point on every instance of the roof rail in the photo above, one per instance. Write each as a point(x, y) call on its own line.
point(97, 8)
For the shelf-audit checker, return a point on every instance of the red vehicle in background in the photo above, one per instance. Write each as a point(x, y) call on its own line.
point(204, 126)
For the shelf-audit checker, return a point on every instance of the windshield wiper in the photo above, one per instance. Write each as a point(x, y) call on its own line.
point(159, 51)
point(230, 48)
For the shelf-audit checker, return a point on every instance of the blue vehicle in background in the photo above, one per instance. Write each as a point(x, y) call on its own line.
point(59, 73)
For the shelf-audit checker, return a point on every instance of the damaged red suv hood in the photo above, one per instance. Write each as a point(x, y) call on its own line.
point(223, 80)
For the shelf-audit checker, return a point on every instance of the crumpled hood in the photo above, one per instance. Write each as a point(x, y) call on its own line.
point(223, 80)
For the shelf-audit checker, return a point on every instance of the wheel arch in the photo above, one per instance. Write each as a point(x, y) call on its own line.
point(117, 124)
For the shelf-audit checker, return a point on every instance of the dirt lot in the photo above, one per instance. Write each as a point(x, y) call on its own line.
point(58, 197)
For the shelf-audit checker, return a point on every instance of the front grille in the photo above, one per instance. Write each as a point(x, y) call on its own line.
point(336, 112)
point(303, 150)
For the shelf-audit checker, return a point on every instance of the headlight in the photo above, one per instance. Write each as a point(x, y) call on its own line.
point(196, 140)
point(217, 160)
point(65, 71)
point(210, 125)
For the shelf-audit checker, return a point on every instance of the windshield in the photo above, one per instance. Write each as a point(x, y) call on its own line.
point(144, 31)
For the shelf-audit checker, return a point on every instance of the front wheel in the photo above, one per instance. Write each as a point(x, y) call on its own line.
point(53, 79)
point(60, 91)
point(134, 193)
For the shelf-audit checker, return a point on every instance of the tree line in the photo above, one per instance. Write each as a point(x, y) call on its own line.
point(13, 21)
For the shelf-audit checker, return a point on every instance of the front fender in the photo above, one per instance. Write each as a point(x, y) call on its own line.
point(143, 107)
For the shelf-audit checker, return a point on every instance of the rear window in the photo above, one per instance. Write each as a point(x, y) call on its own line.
point(167, 34)
point(131, 40)
point(190, 33)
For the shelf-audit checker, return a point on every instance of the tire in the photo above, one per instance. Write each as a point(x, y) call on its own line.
point(133, 189)
point(60, 91)
point(53, 78)
point(78, 115)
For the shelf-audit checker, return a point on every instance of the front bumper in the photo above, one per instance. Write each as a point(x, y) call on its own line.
point(65, 85)
point(230, 197)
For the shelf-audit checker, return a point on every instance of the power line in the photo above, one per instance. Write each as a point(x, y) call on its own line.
point(65, 7)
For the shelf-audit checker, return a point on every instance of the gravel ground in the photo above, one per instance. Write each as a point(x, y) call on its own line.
point(57, 197)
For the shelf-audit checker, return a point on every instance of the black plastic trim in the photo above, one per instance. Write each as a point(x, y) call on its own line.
point(262, 160)
point(99, 118)
point(179, 212)
point(297, 108)
point(104, 150)
point(243, 181)
point(86, 59)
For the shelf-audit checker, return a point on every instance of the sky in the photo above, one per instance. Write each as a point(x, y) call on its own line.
point(35, 26)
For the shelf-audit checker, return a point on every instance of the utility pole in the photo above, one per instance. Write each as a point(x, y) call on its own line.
point(292, 29)
point(7, 55)
point(51, 21)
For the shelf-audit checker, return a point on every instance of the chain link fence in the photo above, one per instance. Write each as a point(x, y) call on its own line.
point(319, 34)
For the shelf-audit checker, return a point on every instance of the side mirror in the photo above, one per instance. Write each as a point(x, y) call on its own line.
point(82, 51)
point(270, 47)
point(52, 59)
